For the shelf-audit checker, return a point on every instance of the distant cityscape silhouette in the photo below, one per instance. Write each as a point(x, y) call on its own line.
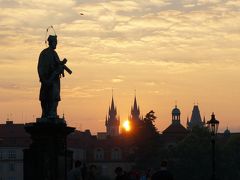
point(136, 153)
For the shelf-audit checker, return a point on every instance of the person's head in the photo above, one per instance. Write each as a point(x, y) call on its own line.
point(78, 164)
point(164, 164)
point(119, 171)
point(52, 41)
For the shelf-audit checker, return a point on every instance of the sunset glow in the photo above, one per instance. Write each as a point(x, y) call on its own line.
point(167, 50)
point(126, 125)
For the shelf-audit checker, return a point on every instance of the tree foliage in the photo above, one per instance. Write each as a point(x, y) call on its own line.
point(191, 158)
point(147, 141)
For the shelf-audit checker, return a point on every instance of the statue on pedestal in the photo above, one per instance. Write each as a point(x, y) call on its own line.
point(50, 70)
point(47, 157)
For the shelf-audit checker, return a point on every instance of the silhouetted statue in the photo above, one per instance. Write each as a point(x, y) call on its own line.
point(50, 69)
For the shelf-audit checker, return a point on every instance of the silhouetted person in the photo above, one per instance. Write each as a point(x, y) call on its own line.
point(75, 173)
point(133, 174)
point(84, 171)
point(49, 71)
point(149, 173)
point(145, 175)
point(163, 173)
point(92, 173)
point(120, 175)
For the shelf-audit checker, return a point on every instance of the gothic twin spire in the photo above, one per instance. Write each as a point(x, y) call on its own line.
point(112, 118)
point(135, 110)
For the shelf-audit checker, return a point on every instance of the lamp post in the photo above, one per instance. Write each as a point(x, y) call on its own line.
point(213, 128)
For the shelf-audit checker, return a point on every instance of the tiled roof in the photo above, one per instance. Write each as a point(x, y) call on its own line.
point(13, 135)
point(175, 129)
point(13, 130)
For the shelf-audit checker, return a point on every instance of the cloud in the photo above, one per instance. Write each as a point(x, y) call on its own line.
point(131, 44)
point(9, 86)
point(117, 80)
point(97, 80)
point(110, 35)
point(77, 92)
point(16, 93)
point(205, 2)
point(9, 3)
point(150, 83)
point(168, 33)
point(85, 91)
point(118, 31)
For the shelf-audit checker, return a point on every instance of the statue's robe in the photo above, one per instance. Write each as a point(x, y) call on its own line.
point(47, 65)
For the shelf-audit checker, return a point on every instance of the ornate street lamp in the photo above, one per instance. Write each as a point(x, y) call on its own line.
point(213, 128)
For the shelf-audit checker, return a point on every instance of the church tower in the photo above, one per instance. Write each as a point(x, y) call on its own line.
point(112, 120)
point(176, 129)
point(176, 115)
point(135, 118)
point(196, 120)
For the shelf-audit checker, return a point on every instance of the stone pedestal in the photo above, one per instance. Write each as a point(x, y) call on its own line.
point(47, 157)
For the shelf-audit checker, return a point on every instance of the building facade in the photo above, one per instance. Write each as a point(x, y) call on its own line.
point(13, 139)
point(107, 150)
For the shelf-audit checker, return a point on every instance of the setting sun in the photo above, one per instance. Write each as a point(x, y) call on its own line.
point(126, 125)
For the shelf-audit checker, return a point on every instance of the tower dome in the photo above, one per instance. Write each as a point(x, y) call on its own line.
point(176, 115)
point(227, 132)
point(176, 111)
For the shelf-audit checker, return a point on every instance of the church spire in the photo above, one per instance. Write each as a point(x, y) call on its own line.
point(135, 110)
point(112, 121)
point(112, 104)
point(112, 108)
point(135, 106)
point(196, 119)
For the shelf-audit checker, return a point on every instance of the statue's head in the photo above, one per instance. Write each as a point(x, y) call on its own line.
point(52, 41)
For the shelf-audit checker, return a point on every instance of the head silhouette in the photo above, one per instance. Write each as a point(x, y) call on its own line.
point(78, 163)
point(119, 171)
point(164, 164)
point(52, 41)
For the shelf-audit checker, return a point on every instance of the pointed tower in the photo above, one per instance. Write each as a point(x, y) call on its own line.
point(187, 125)
point(204, 121)
point(135, 113)
point(196, 119)
point(112, 121)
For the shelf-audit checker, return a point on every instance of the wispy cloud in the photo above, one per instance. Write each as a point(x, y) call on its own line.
point(117, 80)
point(129, 44)
point(150, 83)
point(113, 31)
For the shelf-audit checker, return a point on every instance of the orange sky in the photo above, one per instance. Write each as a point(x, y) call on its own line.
point(185, 51)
